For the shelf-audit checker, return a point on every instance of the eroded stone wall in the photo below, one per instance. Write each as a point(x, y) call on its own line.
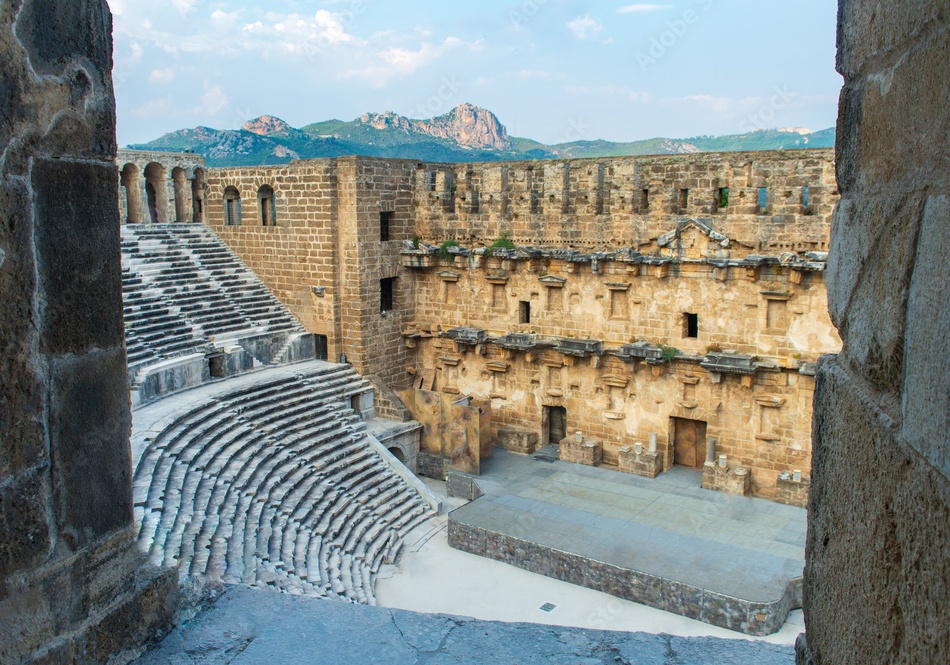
point(877, 577)
point(603, 204)
point(73, 587)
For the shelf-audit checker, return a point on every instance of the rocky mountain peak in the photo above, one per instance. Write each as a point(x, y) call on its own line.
point(471, 126)
point(266, 125)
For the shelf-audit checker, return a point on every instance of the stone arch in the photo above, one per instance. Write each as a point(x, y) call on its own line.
point(131, 179)
point(198, 196)
point(398, 454)
point(180, 182)
point(266, 206)
point(156, 191)
point(232, 206)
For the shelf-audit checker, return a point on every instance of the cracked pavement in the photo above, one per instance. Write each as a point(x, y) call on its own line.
point(262, 627)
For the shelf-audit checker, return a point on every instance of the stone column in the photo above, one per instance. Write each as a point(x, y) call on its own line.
point(74, 586)
point(877, 577)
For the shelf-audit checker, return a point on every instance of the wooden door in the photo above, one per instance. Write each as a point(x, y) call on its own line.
point(689, 443)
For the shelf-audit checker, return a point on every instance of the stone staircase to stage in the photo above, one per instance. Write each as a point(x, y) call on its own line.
point(270, 479)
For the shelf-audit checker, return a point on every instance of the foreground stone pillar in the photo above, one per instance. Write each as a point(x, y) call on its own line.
point(73, 587)
point(877, 577)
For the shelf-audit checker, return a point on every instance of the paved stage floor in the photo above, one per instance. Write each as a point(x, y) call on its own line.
point(668, 527)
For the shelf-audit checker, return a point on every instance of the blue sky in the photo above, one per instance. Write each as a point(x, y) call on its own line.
point(552, 70)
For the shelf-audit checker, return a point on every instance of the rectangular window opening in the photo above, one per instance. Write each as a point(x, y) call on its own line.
point(645, 200)
point(690, 326)
point(763, 199)
point(722, 197)
point(385, 222)
point(682, 201)
point(524, 312)
point(386, 291)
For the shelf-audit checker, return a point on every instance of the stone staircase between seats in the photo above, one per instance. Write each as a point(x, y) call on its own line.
point(272, 482)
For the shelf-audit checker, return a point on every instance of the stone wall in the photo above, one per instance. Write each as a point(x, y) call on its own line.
point(609, 263)
point(877, 577)
point(603, 204)
point(73, 587)
point(323, 253)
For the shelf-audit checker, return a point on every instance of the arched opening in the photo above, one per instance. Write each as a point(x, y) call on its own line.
point(266, 206)
point(232, 207)
point(398, 454)
point(198, 196)
point(180, 180)
point(130, 178)
point(157, 193)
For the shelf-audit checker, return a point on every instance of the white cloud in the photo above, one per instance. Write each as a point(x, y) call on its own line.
point(166, 75)
point(584, 27)
point(631, 9)
point(184, 7)
point(396, 61)
point(212, 102)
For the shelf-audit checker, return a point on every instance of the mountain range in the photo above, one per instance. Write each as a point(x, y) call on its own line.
point(467, 133)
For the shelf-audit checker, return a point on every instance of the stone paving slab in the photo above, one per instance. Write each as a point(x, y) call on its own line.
point(261, 627)
point(748, 550)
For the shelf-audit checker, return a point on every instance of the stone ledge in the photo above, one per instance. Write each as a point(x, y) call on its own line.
point(745, 616)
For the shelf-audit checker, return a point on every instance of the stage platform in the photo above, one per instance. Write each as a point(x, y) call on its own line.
point(729, 561)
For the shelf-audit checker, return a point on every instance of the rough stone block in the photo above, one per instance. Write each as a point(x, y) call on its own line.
point(90, 425)
point(877, 508)
point(24, 532)
point(54, 33)
point(78, 256)
point(926, 402)
point(894, 145)
point(869, 29)
point(22, 399)
point(517, 440)
point(868, 279)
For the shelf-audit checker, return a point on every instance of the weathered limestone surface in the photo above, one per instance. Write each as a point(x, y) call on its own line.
point(73, 588)
point(251, 627)
point(878, 555)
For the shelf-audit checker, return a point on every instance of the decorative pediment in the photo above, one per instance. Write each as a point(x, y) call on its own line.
point(553, 282)
point(449, 276)
point(691, 239)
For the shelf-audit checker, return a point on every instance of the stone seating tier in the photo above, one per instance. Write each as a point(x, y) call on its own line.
point(271, 483)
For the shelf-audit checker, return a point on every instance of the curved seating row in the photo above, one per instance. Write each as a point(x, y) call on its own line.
point(269, 479)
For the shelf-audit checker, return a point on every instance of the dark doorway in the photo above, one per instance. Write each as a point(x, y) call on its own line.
point(557, 424)
point(321, 347)
point(689, 443)
point(152, 202)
